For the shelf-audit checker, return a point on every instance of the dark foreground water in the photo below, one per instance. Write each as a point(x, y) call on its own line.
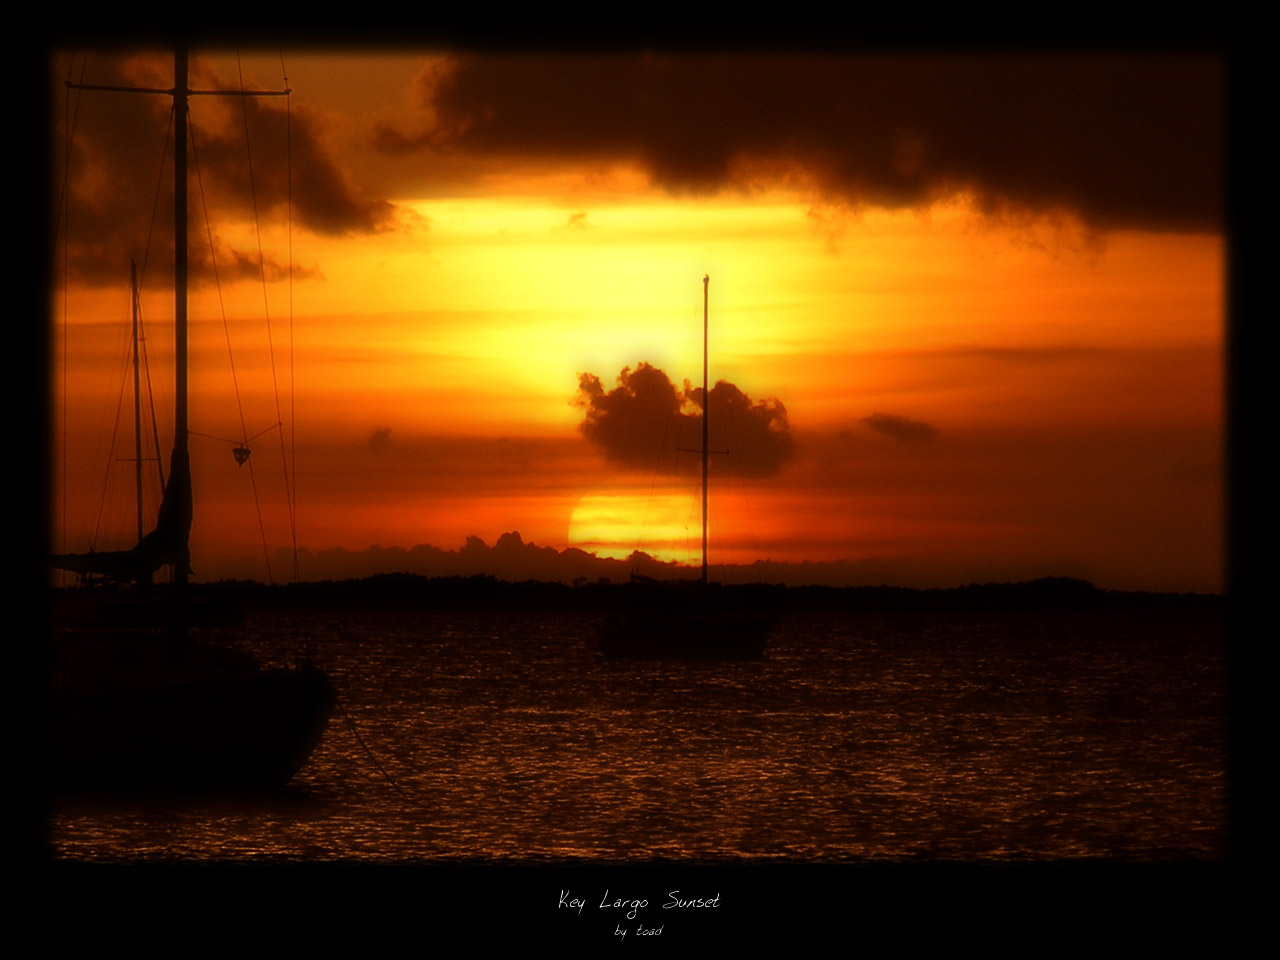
point(503, 737)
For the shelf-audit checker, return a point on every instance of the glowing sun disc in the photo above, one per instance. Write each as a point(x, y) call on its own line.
point(664, 525)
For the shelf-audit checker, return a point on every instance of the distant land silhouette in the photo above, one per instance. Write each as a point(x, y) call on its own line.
point(513, 570)
point(1057, 595)
point(511, 558)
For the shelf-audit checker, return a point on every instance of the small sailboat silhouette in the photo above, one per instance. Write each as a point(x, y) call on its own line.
point(682, 620)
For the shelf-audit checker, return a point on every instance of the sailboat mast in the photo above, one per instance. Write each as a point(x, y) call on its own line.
point(706, 409)
point(137, 397)
point(180, 95)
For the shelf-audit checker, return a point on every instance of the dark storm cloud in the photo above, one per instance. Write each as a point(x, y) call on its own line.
point(900, 428)
point(643, 421)
point(117, 195)
point(1121, 141)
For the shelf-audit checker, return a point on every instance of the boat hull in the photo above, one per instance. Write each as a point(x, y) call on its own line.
point(237, 727)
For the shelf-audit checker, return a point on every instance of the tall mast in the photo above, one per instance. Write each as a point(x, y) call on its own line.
point(137, 398)
point(180, 94)
point(706, 409)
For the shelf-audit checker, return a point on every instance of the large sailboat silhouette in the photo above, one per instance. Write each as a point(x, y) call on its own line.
point(683, 620)
point(138, 701)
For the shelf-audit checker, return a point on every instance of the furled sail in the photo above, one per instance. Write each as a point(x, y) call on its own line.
point(168, 543)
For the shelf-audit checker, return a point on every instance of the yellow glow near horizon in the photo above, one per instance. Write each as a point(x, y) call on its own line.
point(667, 526)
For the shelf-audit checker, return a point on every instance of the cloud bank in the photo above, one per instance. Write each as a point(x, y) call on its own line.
point(1119, 141)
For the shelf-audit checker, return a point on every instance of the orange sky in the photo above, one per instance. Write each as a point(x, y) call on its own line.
point(985, 375)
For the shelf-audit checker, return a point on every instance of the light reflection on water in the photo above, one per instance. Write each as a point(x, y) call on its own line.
point(504, 736)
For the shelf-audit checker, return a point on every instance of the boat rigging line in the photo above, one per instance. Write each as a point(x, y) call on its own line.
point(291, 479)
point(262, 272)
point(226, 327)
point(395, 784)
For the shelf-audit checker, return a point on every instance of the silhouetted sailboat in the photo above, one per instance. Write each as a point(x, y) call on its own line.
point(164, 545)
point(137, 701)
point(687, 621)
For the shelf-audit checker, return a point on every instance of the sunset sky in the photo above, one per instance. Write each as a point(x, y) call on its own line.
point(971, 308)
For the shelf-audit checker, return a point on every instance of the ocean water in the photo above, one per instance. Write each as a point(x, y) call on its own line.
point(502, 737)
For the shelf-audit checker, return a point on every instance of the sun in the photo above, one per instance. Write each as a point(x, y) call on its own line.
point(665, 525)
